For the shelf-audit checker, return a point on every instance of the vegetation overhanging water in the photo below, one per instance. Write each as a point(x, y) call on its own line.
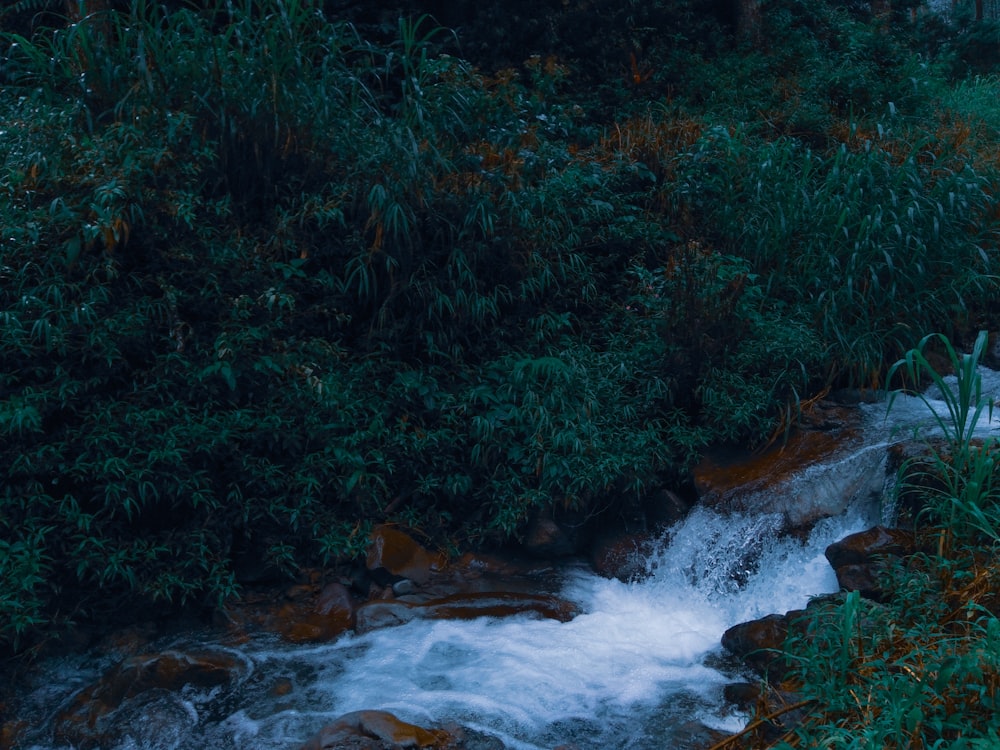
point(271, 275)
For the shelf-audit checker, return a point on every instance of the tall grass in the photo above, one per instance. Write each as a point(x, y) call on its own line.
point(873, 241)
point(921, 669)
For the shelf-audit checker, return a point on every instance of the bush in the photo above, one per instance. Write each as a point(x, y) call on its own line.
point(268, 281)
point(867, 242)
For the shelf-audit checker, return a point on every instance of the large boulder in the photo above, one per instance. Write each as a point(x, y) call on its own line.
point(820, 469)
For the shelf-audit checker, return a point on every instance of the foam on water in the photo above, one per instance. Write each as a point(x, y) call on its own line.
point(911, 415)
point(635, 664)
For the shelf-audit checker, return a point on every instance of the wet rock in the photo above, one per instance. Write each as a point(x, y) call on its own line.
point(664, 508)
point(463, 606)
point(860, 578)
point(375, 730)
point(404, 587)
point(11, 733)
point(622, 555)
point(472, 567)
point(304, 613)
point(864, 546)
point(693, 735)
point(760, 643)
point(394, 555)
point(838, 470)
point(86, 723)
point(743, 695)
point(857, 558)
point(330, 615)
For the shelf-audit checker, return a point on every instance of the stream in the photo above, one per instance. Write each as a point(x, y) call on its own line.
point(641, 661)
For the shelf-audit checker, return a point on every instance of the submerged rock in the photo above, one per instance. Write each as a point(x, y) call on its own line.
point(92, 721)
point(376, 730)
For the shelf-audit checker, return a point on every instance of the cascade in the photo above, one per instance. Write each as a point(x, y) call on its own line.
point(639, 661)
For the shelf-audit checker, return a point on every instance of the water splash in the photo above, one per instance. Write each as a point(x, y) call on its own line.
point(634, 666)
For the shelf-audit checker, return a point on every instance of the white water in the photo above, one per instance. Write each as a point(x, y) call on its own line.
point(913, 416)
point(640, 661)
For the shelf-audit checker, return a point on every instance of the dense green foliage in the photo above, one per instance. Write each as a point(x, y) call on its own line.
point(270, 277)
point(922, 669)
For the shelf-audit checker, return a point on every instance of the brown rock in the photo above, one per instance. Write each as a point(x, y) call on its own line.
point(79, 724)
point(865, 546)
point(353, 729)
point(765, 481)
point(394, 554)
point(303, 613)
point(622, 556)
point(857, 558)
point(860, 578)
point(463, 606)
point(760, 644)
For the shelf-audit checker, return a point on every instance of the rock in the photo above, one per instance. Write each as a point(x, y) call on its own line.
point(404, 587)
point(693, 735)
point(857, 558)
point(463, 606)
point(838, 470)
point(330, 615)
point(394, 555)
point(664, 508)
point(375, 730)
point(11, 733)
point(303, 613)
point(865, 546)
point(545, 538)
point(622, 555)
point(743, 695)
point(860, 578)
point(84, 723)
point(760, 643)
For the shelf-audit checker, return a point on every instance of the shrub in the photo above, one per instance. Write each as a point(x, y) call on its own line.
point(868, 244)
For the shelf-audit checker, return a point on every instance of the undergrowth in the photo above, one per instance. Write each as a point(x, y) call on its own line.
point(270, 277)
point(920, 669)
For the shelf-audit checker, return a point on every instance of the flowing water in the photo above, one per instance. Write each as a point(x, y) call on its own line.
point(640, 661)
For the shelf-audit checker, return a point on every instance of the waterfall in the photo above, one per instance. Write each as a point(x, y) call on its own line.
point(640, 660)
